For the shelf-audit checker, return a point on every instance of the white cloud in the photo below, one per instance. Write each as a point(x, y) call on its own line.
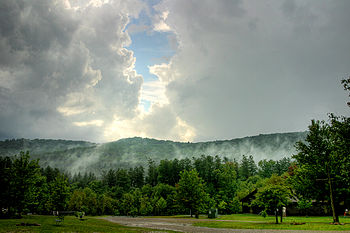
point(65, 73)
point(64, 69)
point(159, 22)
point(154, 92)
point(88, 123)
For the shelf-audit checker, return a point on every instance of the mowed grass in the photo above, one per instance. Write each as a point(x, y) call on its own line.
point(70, 224)
point(251, 221)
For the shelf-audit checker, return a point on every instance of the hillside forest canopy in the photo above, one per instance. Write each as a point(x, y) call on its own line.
point(317, 173)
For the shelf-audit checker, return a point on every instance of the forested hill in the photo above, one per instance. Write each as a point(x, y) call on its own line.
point(80, 156)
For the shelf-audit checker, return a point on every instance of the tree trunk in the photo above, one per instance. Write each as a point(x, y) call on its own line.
point(196, 215)
point(276, 214)
point(335, 216)
point(281, 214)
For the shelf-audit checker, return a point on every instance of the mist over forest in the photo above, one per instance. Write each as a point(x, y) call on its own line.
point(82, 156)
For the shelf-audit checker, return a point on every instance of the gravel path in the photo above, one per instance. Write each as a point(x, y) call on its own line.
point(185, 225)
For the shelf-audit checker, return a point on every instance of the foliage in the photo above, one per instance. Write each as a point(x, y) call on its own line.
point(21, 181)
point(273, 196)
point(346, 85)
point(248, 167)
point(323, 162)
point(84, 200)
point(304, 205)
point(59, 193)
point(264, 214)
point(234, 206)
point(269, 167)
point(128, 191)
point(190, 192)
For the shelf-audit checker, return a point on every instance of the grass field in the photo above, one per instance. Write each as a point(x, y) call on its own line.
point(236, 221)
point(70, 224)
point(251, 221)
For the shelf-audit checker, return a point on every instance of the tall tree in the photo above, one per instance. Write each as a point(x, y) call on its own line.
point(137, 176)
point(323, 161)
point(266, 168)
point(226, 182)
point(190, 191)
point(59, 192)
point(152, 173)
point(247, 167)
point(25, 174)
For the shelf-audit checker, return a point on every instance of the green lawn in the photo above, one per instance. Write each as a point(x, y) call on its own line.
point(70, 224)
point(236, 221)
point(250, 221)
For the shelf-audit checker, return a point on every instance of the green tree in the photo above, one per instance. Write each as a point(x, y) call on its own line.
point(226, 185)
point(304, 205)
point(131, 203)
point(152, 173)
point(165, 172)
point(273, 196)
point(266, 168)
point(206, 167)
point(76, 200)
point(109, 178)
point(59, 192)
point(160, 206)
point(190, 192)
point(25, 175)
point(323, 162)
point(84, 200)
point(282, 166)
point(137, 176)
point(269, 167)
point(106, 204)
point(90, 201)
point(146, 207)
point(247, 167)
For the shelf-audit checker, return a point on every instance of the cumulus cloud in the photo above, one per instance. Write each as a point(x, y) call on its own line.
point(249, 67)
point(65, 72)
point(64, 68)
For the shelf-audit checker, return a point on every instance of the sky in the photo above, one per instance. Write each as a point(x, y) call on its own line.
point(183, 70)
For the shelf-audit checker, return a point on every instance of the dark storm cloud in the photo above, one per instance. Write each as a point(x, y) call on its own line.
point(248, 67)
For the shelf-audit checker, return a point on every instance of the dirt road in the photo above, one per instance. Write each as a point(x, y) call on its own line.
point(185, 225)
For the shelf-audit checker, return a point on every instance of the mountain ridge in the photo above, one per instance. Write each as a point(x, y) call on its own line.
point(82, 156)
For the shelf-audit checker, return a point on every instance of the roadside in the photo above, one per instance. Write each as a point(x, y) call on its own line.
point(185, 225)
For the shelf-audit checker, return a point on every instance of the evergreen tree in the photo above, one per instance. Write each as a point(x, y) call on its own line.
point(152, 173)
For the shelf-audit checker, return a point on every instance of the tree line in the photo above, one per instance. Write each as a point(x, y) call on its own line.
point(318, 172)
point(165, 188)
